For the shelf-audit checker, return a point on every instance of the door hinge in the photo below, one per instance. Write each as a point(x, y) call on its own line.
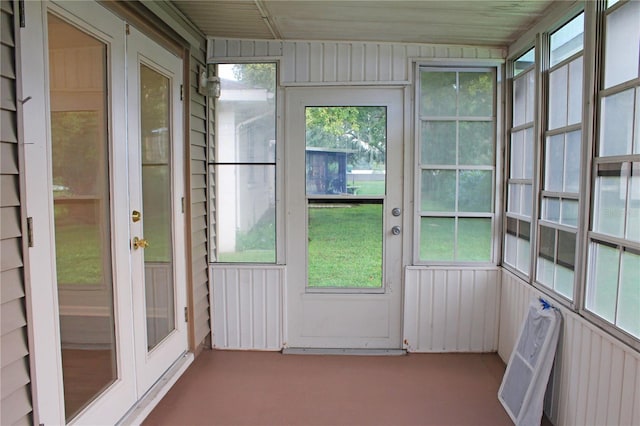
point(186, 314)
point(127, 29)
point(181, 92)
point(182, 203)
point(23, 21)
point(30, 231)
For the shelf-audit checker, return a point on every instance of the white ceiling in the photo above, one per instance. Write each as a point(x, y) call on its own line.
point(467, 22)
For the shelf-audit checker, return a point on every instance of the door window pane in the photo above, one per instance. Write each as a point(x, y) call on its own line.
point(344, 245)
point(82, 211)
point(346, 150)
point(155, 136)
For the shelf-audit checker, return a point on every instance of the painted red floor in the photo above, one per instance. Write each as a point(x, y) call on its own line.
point(266, 388)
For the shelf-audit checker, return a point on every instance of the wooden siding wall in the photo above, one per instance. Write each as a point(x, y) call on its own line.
point(247, 307)
point(596, 378)
point(335, 63)
point(199, 128)
point(451, 310)
point(15, 404)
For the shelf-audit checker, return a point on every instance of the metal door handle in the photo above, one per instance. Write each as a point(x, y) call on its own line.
point(395, 230)
point(139, 243)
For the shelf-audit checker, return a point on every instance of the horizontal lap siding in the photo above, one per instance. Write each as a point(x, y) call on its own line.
point(15, 391)
point(596, 378)
point(198, 157)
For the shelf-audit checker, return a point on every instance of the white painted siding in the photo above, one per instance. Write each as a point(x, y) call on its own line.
point(304, 62)
point(451, 310)
point(596, 378)
point(247, 307)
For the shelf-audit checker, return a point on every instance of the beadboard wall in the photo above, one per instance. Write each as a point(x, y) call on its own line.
point(353, 63)
point(596, 378)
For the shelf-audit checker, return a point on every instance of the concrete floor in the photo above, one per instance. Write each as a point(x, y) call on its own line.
point(267, 388)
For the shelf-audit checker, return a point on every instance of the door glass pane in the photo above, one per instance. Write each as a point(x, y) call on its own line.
point(346, 150)
point(344, 245)
point(155, 128)
point(345, 157)
point(80, 169)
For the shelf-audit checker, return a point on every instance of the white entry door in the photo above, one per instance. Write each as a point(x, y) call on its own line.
point(156, 194)
point(105, 138)
point(344, 151)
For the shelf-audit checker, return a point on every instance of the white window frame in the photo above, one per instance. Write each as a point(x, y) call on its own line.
point(497, 186)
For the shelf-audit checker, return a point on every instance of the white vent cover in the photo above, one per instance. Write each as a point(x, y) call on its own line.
point(525, 380)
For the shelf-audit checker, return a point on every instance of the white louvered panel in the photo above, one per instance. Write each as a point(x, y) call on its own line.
point(596, 378)
point(306, 62)
point(451, 310)
point(247, 307)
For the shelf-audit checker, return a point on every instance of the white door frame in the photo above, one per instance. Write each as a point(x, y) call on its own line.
point(377, 311)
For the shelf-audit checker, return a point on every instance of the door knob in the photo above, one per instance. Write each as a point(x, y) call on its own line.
point(395, 230)
point(139, 243)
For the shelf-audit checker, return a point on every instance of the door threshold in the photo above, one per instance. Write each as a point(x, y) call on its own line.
point(338, 351)
point(149, 400)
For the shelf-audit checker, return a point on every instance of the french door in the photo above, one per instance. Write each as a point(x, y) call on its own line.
point(104, 191)
point(344, 222)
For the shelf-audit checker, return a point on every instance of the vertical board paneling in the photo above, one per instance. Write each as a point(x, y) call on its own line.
point(451, 310)
point(316, 66)
point(330, 64)
point(371, 62)
point(344, 62)
point(597, 382)
point(302, 60)
point(247, 305)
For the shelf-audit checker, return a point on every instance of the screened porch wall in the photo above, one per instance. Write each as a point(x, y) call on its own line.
point(236, 303)
point(596, 378)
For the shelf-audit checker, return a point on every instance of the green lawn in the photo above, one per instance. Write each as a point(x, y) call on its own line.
point(345, 246)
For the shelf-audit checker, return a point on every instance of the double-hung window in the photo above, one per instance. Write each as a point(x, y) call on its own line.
point(561, 159)
point(517, 242)
point(456, 166)
point(613, 284)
